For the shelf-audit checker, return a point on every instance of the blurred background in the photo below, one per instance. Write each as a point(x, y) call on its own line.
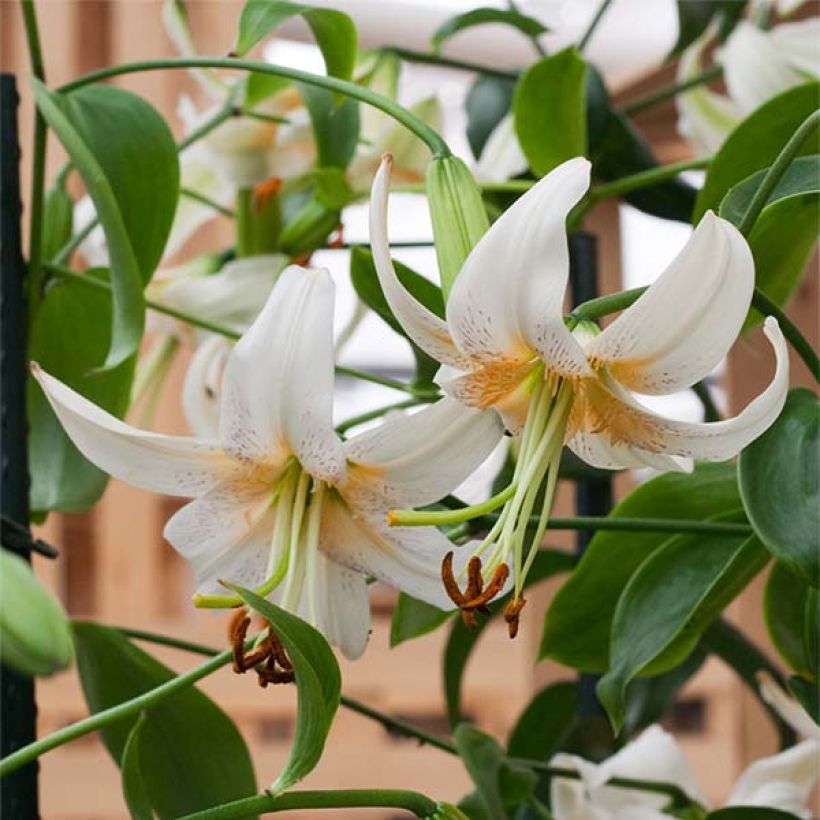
point(114, 565)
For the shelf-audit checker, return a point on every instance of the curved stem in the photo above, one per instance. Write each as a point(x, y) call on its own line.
point(414, 802)
point(423, 518)
point(189, 193)
point(593, 24)
point(362, 418)
point(641, 103)
point(448, 62)
point(424, 132)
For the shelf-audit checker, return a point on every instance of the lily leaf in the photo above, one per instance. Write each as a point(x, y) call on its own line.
point(693, 19)
point(780, 485)
point(808, 694)
point(127, 158)
point(413, 618)
point(527, 25)
point(750, 813)
point(546, 723)
point(58, 217)
point(134, 789)
point(318, 683)
point(578, 623)
point(756, 142)
point(335, 125)
point(166, 767)
point(550, 111)
point(790, 606)
point(488, 101)
point(668, 603)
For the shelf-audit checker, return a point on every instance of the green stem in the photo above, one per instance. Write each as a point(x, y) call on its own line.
point(362, 418)
point(642, 103)
point(64, 254)
point(421, 518)
point(776, 172)
point(385, 382)
point(415, 803)
point(38, 164)
point(671, 525)
point(424, 132)
point(593, 25)
point(195, 195)
point(225, 113)
point(96, 721)
point(448, 62)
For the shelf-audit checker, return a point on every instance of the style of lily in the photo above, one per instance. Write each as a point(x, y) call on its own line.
point(505, 346)
point(782, 781)
point(280, 503)
point(757, 65)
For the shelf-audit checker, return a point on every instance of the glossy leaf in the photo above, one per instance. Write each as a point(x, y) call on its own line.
point(528, 26)
point(779, 476)
point(333, 31)
point(546, 723)
point(335, 125)
point(462, 640)
point(787, 608)
point(69, 339)
point(413, 618)
point(366, 284)
point(318, 683)
point(167, 768)
point(577, 623)
point(755, 143)
point(488, 101)
point(668, 603)
point(127, 158)
point(550, 111)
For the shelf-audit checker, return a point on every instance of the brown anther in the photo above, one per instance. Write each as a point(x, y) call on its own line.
point(264, 192)
point(237, 633)
point(475, 581)
point(277, 652)
point(500, 575)
point(512, 613)
point(468, 618)
point(449, 580)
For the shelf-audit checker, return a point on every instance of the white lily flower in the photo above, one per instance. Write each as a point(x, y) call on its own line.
point(787, 707)
point(782, 781)
point(758, 64)
point(280, 503)
point(502, 157)
point(504, 345)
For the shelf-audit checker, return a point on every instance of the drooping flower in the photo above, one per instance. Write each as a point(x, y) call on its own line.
point(782, 781)
point(758, 64)
point(505, 346)
point(280, 503)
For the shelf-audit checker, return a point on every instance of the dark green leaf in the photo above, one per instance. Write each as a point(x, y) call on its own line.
point(787, 607)
point(134, 789)
point(260, 87)
point(462, 640)
point(318, 683)
point(577, 624)
point(755, 143)
point(693, 18)
point(335, 125)
point(413, 618)
point(550, 111)
point(528, 26)
point(731, 13)
point(69, 339)
point(309, 226)
point(333, 30)
point(668, 603)
point(546, 723)
point(187, 754)
point(779, 476)
point(488, 101)
point(366, 284)
point(57, 220)
point(808, 693)
point(127, 158)
point(750, 813)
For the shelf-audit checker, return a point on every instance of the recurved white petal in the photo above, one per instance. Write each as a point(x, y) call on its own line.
point(596, 449)
point(202, 386)
point(278, 384)
point(684, 325)
point(413, 460)
point(502, 156)
point(508, 298)
point(426, 329)
point(175, 465)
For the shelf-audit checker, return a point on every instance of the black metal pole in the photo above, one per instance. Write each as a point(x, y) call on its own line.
point(18, 791)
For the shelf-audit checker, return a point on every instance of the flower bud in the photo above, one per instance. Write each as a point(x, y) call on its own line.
point(35, 638)
point(458, 215)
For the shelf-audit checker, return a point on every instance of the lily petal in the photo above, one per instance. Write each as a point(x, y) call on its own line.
point(417, 459)
point(278, 385)
point(344, 604)
point(798, 43)
point(175, 465)
point(684, 325)
point(202, 386)
point(596, 449)
point(508, 298)
point(502, 157)
point(426, 329)
point(603, 407)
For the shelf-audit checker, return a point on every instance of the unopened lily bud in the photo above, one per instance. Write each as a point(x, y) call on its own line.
point(35, 637)
point(458, 215)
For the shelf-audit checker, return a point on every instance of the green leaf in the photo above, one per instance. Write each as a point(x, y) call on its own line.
point(550, 110)
point(750, 813)
point(366, 284)
point(127, 158)
point(488, 101)
point(787, 606)
point(693, 18)
point(546, 723)
point(755, 143)
point(413, 618)
point(675, 594)
point(779, 481)
point(462, 640)
point(577, 623)
point(134, 789)
point(187, 754)
point(318, 683)
point(69, 340)
point(527, 25)
point(335, 125)
point(500, 785)
point(808, 694)
point(333, 31)
point(309, 226)
point(57, 219)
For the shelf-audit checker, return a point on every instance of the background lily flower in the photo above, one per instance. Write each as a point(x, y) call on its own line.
point(504, 345)
point(280, 503)
point(782, 781)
